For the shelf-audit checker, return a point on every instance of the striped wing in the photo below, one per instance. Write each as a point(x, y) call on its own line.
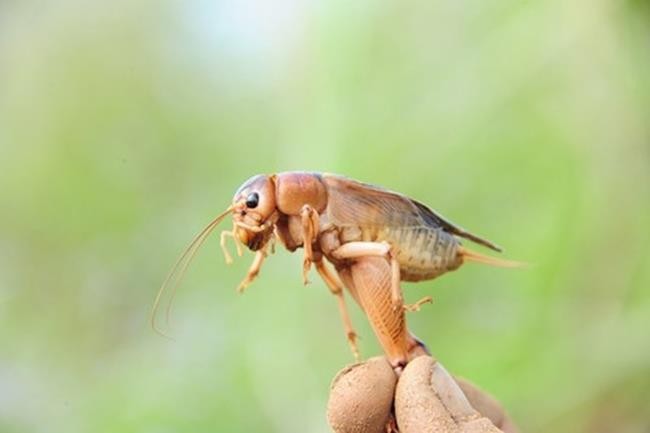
point(353, 203)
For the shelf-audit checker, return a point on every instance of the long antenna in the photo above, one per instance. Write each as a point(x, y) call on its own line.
point(175, 276)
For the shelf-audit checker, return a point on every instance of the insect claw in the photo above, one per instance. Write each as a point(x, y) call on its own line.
point(253, 271)
point(306, 266)
point(227, 257)
point(243, 285)
point(226, 254)
point(412, 308)
point(352, 341)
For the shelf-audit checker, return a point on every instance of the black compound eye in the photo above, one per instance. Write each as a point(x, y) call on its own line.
point(252, 200)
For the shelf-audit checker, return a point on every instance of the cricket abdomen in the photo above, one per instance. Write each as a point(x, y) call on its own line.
point(423, 252)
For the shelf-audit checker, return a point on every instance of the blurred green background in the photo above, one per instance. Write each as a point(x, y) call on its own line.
point(125, 126)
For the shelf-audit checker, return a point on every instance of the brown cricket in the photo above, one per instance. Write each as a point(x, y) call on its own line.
point(373, 237)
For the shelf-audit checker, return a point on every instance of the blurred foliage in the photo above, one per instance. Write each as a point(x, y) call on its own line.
point(124, 126)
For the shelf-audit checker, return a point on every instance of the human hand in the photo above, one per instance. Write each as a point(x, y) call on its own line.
point(369, 398)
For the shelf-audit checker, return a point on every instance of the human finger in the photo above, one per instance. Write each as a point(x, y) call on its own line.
point(428, 400)
point(487, 405)
point(361, 397)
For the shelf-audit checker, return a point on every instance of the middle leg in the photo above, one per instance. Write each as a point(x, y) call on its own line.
point(336, 288)
point(310, 222)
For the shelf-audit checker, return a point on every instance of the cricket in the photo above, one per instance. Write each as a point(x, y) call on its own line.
point(357, 236)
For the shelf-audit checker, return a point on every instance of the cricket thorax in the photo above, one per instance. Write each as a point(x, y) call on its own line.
point(289, 231)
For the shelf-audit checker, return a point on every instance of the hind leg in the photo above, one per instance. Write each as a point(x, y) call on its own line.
point(369, 279)
point(357, 250)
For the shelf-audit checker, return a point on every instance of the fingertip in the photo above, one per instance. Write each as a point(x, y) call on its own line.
point(417, 406)
point(361, 397)
point(451, 395)
point(487, 406)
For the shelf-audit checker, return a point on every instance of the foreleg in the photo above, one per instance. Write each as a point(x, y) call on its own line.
point(253, 271)
point(224, 235)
